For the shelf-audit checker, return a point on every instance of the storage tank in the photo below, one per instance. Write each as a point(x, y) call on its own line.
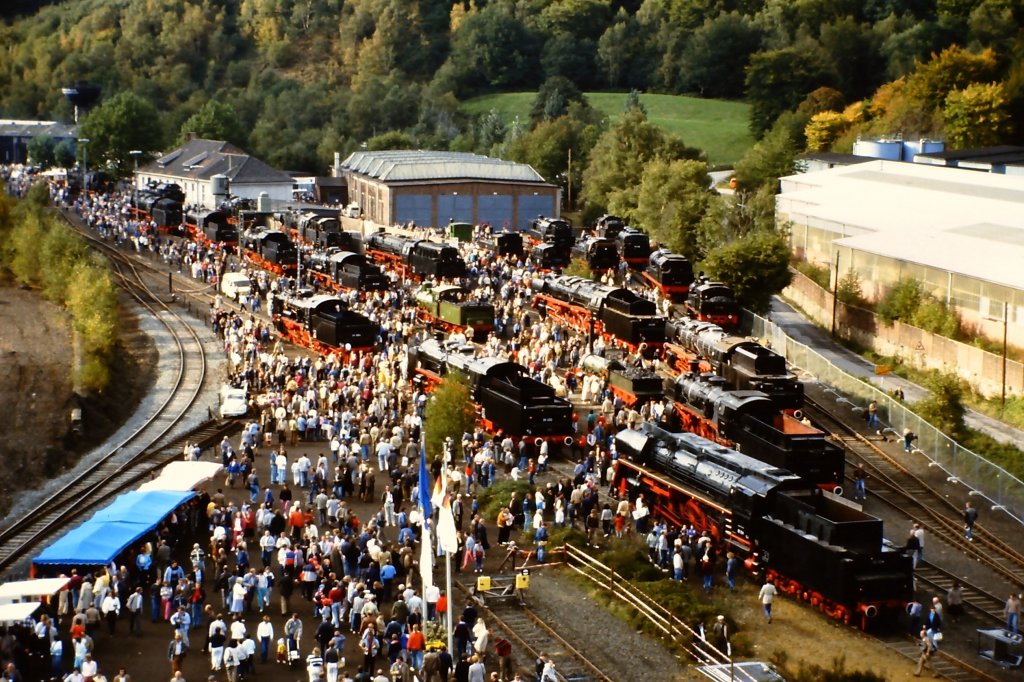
point(263, 203)
point(889, 150)
point(219, 185)
point(922, 146)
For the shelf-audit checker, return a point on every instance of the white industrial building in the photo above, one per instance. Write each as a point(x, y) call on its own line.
point(195, 164)
point(959, 232)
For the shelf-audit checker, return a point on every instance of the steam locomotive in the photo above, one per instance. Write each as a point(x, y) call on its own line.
point(609, 226)
point(415, 258)
point(815, 546)
point(319, 227)
point(669, 273)
point(635, 246)
point(446, 306)
point(750, 421)
point(161, 203)
point(324, 324)
point(211, 228)
point(632, 384)
point(743, 364)
point(336, 269)
point(507, 400)
point(713, 302)
point(271, 250)
point(599, 253)
point(591, 307)
point(551, 231)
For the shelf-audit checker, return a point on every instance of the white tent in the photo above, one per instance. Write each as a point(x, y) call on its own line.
point(44, 587)
point(183, 476)
point(11, 614)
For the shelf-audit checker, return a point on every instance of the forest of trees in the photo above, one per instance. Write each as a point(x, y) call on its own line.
point(293, 81)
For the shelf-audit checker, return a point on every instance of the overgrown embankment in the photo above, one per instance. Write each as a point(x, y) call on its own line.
point(42, 253)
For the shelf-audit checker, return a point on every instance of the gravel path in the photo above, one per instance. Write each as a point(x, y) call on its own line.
point(610, 644)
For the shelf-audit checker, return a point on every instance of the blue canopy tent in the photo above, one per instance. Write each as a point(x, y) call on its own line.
point(100, 539)
point(148, 508)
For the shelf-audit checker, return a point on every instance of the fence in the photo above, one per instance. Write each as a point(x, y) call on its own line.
point(1002, 489)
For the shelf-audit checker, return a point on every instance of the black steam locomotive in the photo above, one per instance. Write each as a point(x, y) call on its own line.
point(713, 302)
point(744, 364)
point(504, 244)
point(612, 312)
point(211, 228)
point(271, 250)
point(609, 226)
point(750, 421)
point(337, 269)
point(669, 273)
point(415, 258)
point(508, 400)
point(600, 254)
point(551, 231)
point(318, 227)
point(324, 324)
point(815, 546)
point(635, 246)
point(160, 202)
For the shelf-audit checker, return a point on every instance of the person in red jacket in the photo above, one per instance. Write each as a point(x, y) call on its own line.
point(416, 644)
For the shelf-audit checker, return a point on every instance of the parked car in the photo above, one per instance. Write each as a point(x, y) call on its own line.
point(234, 402)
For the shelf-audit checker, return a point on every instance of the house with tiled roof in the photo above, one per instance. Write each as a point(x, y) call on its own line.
point(16, 134)
point(196, 163)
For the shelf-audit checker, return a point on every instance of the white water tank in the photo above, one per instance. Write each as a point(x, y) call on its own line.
point(219, 185)
point(890, 150)
point(263, 203)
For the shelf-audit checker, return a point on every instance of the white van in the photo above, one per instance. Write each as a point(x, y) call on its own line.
point(352, 211)
point(235, 285)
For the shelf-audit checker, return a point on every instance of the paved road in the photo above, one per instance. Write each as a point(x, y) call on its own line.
point(806, 332)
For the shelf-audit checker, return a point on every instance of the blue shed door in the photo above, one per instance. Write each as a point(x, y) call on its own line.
point(417, 207)
point(454, 207)
point(533, 205)
point(495, 209)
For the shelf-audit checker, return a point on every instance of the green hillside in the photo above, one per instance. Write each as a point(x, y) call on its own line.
point(719, 127)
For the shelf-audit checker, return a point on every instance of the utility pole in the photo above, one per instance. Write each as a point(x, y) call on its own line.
point(568, 196)
point(84, 141)
point(835, 296)
point(1002, 396)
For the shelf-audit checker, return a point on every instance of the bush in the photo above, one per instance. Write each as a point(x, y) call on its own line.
point(450, 413)
point(944, 408)
point(935, 316)
point(817, 273)
point(901, 301)
point(578, 267)
point(812, 672)
point(493, 498)
point(849, 290)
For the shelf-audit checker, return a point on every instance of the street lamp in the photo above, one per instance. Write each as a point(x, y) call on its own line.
point(135, 153)
point(84, 141)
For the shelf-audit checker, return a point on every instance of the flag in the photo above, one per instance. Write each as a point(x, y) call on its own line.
point(426, 558)
point(424, 486)
point(440, 488)
point(447, 536)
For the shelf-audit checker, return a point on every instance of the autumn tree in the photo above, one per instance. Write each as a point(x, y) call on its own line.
point(977, 116)
point(778, 80)
point(952, 69)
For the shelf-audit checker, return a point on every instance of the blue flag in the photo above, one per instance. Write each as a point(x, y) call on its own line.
point(424, 486)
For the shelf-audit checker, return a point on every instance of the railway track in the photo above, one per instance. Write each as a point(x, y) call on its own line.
point(535, 637)
point(149, 445)
point(905, 492)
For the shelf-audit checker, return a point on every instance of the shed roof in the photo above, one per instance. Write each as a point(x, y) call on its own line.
point(961, 221)
point(23, 128)
point(200, 159)
point(408, 165)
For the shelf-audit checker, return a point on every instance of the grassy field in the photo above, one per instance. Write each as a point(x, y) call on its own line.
point(718, 127)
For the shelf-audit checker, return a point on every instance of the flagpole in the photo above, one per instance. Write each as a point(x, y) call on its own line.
point(448, 584)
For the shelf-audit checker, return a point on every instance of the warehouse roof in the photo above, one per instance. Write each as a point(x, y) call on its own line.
point(200, 159)
point(414, 165)
point(962, 221)
point(20, 128)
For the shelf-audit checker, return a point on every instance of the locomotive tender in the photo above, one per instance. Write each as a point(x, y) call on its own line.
point(599, 253)
point(446, 306)
point(507, 400)
point(817, 547)
point(211, 227)
point(713, 302)
point(271, 250)
point(324, 324)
